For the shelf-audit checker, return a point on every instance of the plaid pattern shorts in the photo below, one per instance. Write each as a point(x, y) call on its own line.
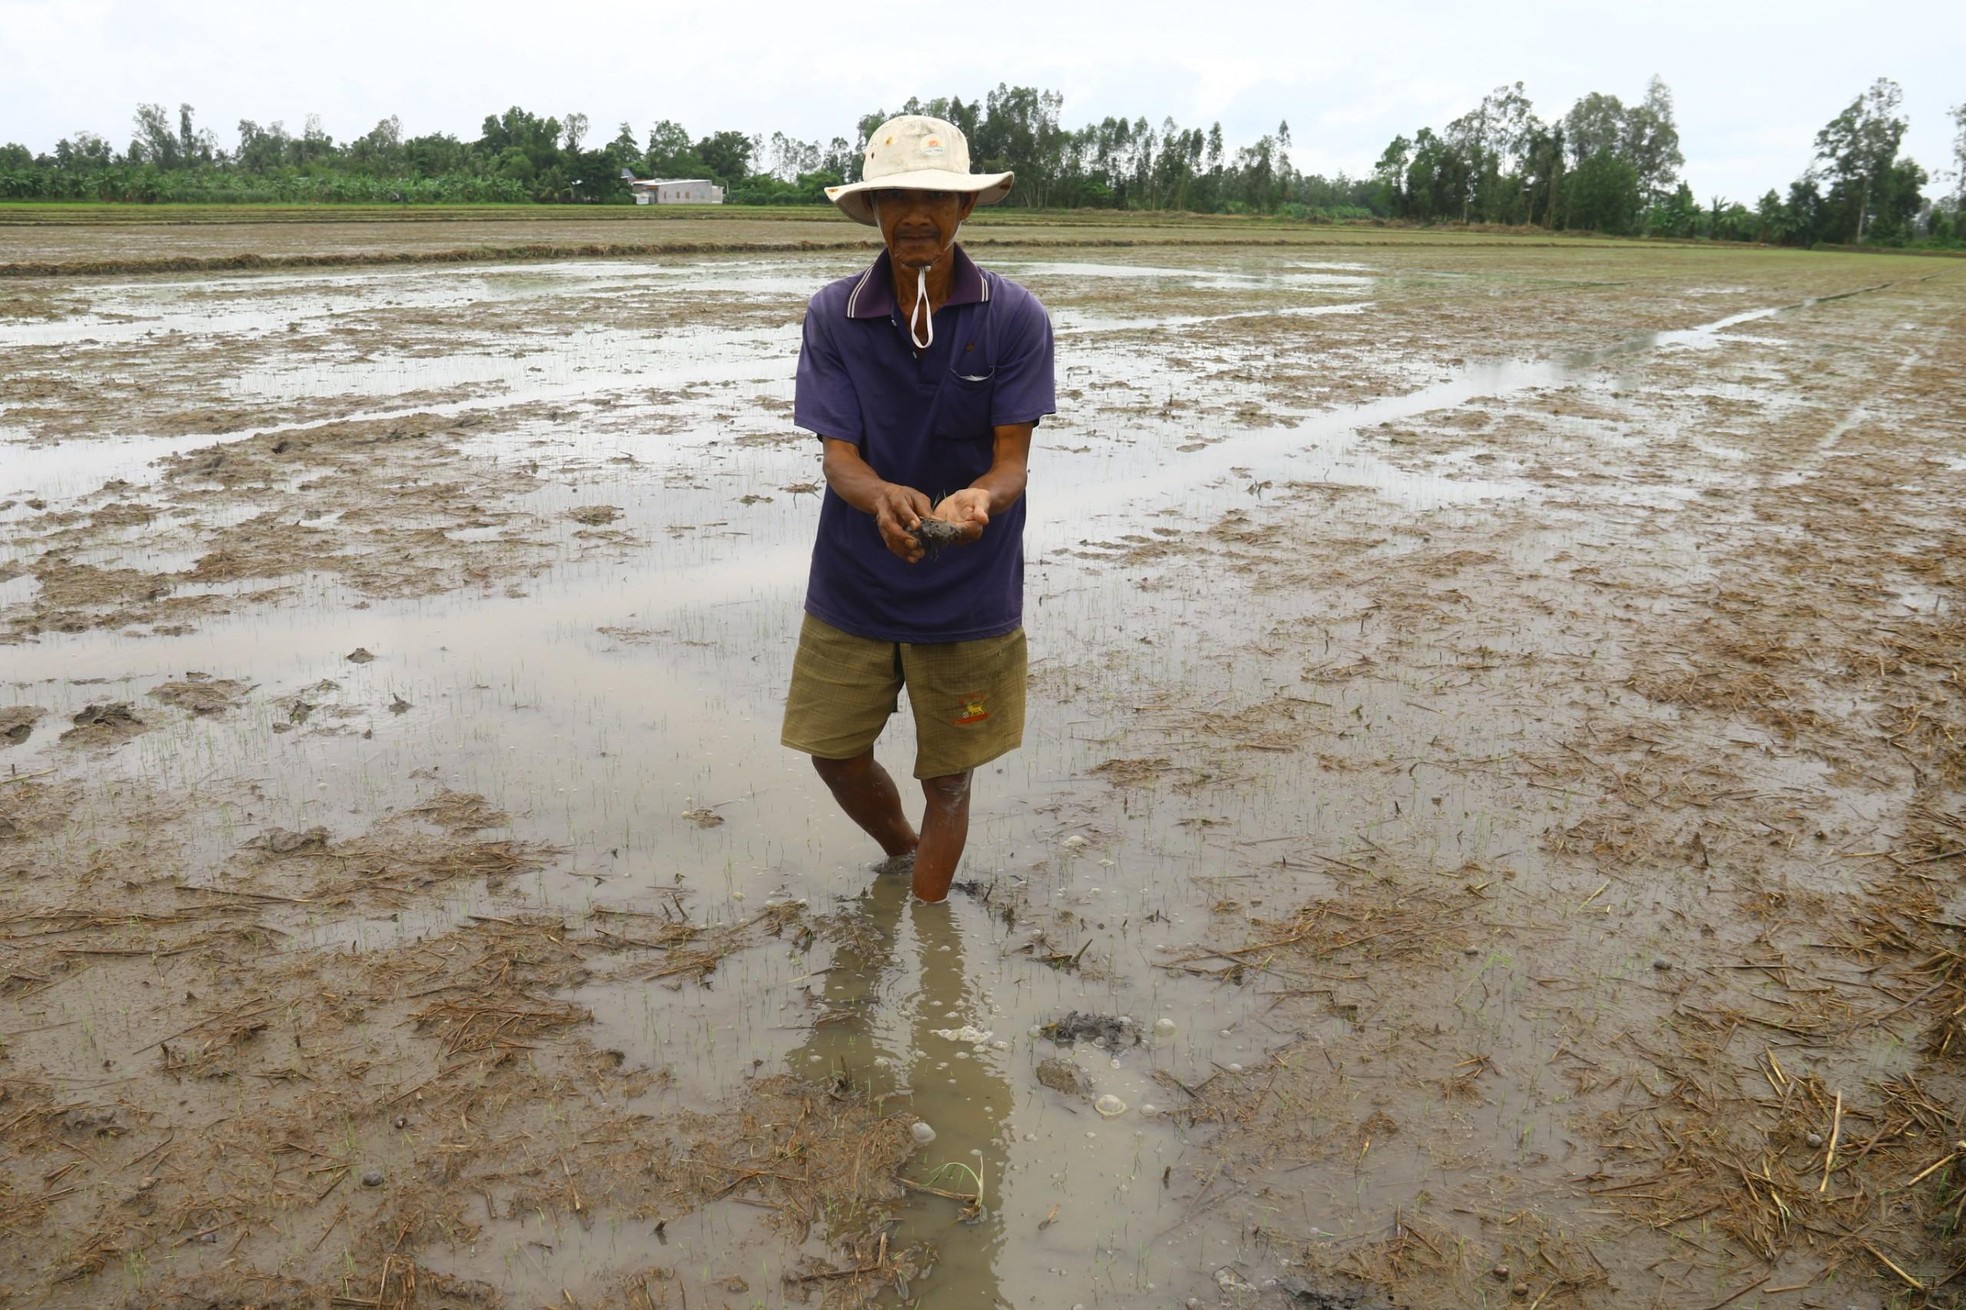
point(967, 696)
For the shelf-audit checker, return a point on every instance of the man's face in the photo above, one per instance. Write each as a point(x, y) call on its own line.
point(919, 225)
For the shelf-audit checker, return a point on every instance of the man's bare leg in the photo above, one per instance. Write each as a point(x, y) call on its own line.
point(867, 794)
point(945, 830)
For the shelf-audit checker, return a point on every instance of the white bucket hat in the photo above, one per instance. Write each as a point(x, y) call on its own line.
point(916, 153)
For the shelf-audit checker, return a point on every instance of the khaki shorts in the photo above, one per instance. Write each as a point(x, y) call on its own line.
point(968, 697)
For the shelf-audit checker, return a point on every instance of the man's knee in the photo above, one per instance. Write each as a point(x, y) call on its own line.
point(948, 791)
point(836, 772)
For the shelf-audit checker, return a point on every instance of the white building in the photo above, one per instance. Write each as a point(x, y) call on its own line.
point(676, 191)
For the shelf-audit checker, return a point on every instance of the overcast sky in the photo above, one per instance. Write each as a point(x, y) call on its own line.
point(1752, 81)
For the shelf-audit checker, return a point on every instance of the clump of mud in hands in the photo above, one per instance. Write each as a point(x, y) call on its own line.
point(934, 535)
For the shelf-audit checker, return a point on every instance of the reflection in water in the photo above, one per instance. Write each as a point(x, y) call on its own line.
point(895, 1041)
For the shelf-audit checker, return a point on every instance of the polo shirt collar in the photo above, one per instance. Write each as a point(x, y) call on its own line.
point(873, 295)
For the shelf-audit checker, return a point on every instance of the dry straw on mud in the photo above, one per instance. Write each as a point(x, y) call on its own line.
point(1384, 920)
point(1768, 1151)
point(307, 1081)
point(487, 1048)
point(402, 856)
point(681, 948)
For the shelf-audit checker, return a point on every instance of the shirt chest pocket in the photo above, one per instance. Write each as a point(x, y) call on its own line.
point(962, 405)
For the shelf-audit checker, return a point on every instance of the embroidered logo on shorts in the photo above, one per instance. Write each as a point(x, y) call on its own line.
point(971, 711)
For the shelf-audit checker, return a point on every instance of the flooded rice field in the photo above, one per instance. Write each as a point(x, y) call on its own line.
point(1489, 832)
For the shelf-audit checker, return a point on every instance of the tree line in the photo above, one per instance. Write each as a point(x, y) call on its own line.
point(520, 156)
point(1606, 166)
point(1603, 166)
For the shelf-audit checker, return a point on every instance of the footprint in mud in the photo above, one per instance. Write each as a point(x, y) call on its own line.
point(17, 723)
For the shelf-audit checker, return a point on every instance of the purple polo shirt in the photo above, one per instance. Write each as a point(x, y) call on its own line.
point(925, 422)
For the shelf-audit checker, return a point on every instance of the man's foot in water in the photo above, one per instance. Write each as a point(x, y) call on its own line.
point(902, 864)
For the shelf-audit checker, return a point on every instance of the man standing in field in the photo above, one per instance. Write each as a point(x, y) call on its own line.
point(924, 377)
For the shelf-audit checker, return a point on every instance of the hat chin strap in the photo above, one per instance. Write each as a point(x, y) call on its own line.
point(921, 311)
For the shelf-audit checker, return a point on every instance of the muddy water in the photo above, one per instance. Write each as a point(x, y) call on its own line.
point(631, 681)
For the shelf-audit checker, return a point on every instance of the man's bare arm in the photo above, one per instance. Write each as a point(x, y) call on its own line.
point(897, 510)
point(997, 490)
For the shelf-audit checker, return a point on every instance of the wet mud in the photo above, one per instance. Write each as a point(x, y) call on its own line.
point(935, 535)
point(1488, 832)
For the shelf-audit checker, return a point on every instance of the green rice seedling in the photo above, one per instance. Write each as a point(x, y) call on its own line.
point(953, 1168)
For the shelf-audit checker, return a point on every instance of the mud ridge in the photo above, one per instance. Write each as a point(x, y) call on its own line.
point(542, 251)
